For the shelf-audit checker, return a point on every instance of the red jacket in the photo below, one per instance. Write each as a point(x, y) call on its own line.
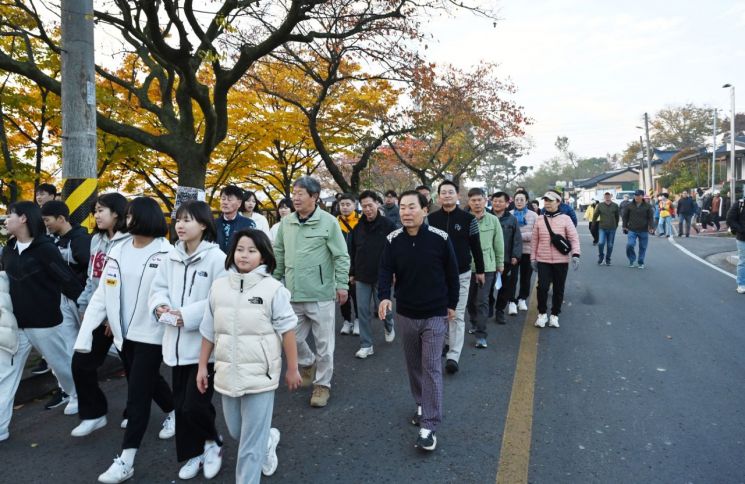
point(542, 250)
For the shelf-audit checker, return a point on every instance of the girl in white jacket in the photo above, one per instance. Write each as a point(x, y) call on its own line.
point(248, 321)
point(122, 298)
point(110, 213)
point(179, 292)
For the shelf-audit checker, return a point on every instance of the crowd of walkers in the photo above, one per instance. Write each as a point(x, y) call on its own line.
point(223, 300)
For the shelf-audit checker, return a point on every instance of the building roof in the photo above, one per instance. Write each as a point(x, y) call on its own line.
point(591, 182)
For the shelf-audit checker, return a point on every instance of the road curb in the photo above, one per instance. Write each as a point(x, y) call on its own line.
point(732, 259)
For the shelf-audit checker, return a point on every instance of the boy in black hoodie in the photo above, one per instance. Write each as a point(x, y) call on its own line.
point(73, 241)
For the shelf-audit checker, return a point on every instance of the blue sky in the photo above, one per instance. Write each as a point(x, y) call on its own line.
point(590, 69)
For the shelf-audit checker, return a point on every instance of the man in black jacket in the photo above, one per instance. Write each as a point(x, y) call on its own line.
point(686, 209)
point(426, 270)
point(513, 252)
point(366, 242)
point(736, 224)
point(463, 229)
point(37, 276)
point(638, 223)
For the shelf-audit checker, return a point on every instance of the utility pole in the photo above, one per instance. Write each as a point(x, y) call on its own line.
point(649, 152)
point(641, 163)
point(78, 108)
point(714, 150)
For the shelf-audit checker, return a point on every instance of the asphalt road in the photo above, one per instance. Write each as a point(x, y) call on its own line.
point(642, 383)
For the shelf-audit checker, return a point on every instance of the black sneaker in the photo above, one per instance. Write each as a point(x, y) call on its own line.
point(41, 368)
point(607, 262)
point(426, 440)
point(58, 398)
point(451, 366)
point(499, 316)
point(415, 419)
point(600, 261)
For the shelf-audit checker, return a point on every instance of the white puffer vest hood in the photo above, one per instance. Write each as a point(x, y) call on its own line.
point(248, 352)
point(8, 324)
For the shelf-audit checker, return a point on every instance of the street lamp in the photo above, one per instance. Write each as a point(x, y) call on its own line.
point(732, 140)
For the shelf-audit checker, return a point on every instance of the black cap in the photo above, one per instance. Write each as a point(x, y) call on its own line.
point(639, 193)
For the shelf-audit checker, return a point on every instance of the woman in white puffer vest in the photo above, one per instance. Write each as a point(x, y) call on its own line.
point(180, 289)
point(248, 322)
point(8, 334)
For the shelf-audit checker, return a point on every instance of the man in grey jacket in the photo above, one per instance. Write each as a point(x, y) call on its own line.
point(513, 251)
point(390, 208)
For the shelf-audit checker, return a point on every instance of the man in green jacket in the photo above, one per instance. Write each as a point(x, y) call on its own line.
point(608, 214)
point(312, 257)
point(492, 246)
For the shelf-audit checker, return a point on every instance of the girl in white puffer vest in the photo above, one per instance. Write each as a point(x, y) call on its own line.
point(248, 321)
point(179, 291)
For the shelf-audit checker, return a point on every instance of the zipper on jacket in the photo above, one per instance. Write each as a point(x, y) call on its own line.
point(178, 337)
point(320, 273)
point(241, 285)
point(193, 278)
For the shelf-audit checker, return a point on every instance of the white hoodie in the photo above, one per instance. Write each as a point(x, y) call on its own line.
point(106, 301)
point(100, 246)
point(183, 282)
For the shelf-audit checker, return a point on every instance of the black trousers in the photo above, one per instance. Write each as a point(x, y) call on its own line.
point(509, 283)
point(524, 273)
point(551, 275)
point(595, 231)
point(195, 414)
point(346, 308)
point(142, 364)
point(91, 399)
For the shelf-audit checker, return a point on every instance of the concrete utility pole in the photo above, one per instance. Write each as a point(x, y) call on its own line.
point(78, 107)
point(641, 165)
point(733, 176)
point(649, 152)
point(714, 151)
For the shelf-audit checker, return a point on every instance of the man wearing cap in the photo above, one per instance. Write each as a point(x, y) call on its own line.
point(607, 216)
point(638, 223)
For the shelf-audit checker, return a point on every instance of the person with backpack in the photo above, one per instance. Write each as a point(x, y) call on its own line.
point(736, 224)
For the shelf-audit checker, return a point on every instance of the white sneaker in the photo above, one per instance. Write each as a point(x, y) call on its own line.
point(191, 468)
point(346, 328)
point(169, 428)
point(212, 460)
point(356, 327)
point(542, 320)
point(553, 321)
point(390, 335)
point(512, 309)
point(119, 471)
point(124, 423)
point(363, 353)
point(271, 462)
point(522, 305)
point(740, 289)
point(72, 405)
point(88, 426)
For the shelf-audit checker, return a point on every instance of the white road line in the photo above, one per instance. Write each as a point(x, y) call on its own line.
point(694, 256)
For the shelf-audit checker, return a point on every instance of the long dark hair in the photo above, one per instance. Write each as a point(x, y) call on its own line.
point(202, 213)
point(262, 243)
point(32, 212)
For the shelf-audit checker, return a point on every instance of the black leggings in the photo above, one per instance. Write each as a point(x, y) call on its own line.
point(91, 400)
point(195, 414)
point(551, 275)
point(525, 274)
point(145, 384)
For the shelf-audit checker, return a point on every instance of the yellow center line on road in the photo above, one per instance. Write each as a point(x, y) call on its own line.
point(514, 456)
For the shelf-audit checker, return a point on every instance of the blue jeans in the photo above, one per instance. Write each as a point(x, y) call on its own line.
point(366, 293)
point(643, 238)
point(665, 226)
point(607, 236)
point(741, 263)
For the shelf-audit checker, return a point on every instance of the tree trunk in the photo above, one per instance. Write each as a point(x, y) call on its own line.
point(192, 168)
